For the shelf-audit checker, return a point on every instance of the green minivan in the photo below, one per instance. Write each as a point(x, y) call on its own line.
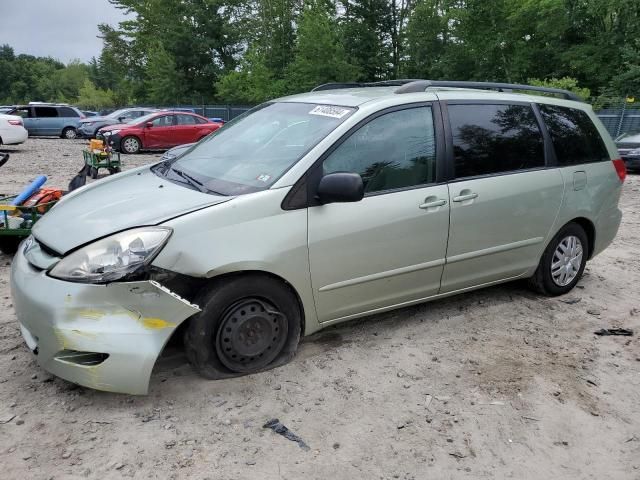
point(310, 210)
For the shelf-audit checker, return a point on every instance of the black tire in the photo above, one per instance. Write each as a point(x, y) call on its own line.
point(542, 280)
point(130, 145)
point(9, 245)
point(94, 173)
point(248, 324)
point(69, 133)
point(114, 170)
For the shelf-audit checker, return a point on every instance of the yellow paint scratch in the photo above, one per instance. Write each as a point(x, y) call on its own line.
point(91, 314)
point(156, 323)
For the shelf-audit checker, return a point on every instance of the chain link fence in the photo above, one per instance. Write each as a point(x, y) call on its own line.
point(619, 115)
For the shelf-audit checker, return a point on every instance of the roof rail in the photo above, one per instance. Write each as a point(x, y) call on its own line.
point(422, 85)
point(383, 83)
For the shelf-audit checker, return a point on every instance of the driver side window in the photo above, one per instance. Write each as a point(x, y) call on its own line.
point(164, 121)
point(395, 150)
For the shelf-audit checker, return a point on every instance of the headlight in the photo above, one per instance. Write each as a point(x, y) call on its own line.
point(88, 124)
point(111, 132)
point(112, 257)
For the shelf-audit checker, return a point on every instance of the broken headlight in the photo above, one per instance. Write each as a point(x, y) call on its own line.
point(112, 257)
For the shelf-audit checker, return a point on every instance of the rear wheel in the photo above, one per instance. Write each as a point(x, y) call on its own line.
point(247, 324)
point(94, 173)
point(563, 261)
point(130, 145)
point(69, 133)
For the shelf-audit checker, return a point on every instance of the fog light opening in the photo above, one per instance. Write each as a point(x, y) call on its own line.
point(86, 359)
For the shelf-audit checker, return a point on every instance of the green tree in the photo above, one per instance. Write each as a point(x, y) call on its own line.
point(91, 97)
point(163, 81)
point(319, 55)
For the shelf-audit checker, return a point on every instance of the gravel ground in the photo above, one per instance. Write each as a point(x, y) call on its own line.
point(499, 383)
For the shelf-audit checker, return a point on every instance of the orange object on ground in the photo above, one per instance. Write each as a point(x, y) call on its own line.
point(44, 195)
point(95, 144)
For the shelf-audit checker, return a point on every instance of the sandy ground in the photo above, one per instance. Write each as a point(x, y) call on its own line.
point(500, 383)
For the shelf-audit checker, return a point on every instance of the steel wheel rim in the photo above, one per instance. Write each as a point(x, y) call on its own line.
point(131, 145)
point(566, 261)
point(251, 335)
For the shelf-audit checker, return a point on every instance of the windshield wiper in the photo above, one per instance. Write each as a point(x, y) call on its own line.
point(190, 180)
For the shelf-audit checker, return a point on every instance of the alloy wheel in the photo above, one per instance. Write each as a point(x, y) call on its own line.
point(566, 261)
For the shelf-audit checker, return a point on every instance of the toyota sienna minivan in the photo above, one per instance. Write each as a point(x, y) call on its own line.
point(311, 210)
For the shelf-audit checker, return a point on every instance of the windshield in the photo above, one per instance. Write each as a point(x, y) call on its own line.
point(145, 118)
point(251, 152)
point(118, 113)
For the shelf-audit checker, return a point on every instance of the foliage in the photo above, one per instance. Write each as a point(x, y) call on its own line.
point(198, 51)
point(90, 97)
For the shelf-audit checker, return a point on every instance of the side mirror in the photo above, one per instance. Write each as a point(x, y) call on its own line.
point(148, 124)
point(121, 119)
point(340, 187)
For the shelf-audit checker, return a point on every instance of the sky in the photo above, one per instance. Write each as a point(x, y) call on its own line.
point(63, 29)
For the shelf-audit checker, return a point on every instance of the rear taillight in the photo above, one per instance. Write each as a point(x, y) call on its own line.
point(15, 122)
point(621, 170)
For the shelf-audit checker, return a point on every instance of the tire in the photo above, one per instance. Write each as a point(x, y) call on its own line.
point(557, 283)
point(130, 145)
point(94, 173)
point(69, 133)
point(9, 245)
point(114, 170)
point(248, 324)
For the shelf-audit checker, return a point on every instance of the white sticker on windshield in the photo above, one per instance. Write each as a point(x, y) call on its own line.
point(329, 111)
point(263, 177)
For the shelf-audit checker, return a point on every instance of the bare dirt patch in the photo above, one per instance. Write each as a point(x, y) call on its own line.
point(499, 383)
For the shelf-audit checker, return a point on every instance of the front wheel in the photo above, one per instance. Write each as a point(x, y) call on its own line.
point(69, 133)
point(248, 323)
point(562, 262)
point(130, 145)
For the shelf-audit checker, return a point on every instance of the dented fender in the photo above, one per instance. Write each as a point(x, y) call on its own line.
point(105, 337)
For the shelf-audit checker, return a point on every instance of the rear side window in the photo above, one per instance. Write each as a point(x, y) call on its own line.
point(394, 150)
point(575, 138)
point(491, 139)
point(68, 112)
point(47, 112)
point(186, 120)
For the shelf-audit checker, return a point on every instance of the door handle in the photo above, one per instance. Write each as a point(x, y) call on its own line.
point(432, 203)
point(465, 197)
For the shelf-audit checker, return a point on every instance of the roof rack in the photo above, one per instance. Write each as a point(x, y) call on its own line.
point(383, 83)
point(422, 85)
point(413, 85)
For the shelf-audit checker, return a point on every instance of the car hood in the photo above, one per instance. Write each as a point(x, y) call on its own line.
point(126, 200)
point(97, 119)
point(117, 126)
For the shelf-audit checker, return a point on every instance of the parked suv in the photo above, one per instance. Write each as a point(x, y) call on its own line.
point(629, 149)
point(311, 210)
point(89, 126)
point(46, 119)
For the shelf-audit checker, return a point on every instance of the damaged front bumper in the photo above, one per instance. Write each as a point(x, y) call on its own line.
point(105, 337)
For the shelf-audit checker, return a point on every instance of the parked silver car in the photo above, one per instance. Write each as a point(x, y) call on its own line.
point(311, 210)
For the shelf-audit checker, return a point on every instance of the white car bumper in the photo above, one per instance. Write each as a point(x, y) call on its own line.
point(13, 135)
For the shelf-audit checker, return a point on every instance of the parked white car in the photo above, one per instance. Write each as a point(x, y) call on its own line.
point(12, 131)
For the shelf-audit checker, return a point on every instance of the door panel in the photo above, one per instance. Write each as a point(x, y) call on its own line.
point(160, 135)
point(501, 231)
point(388, 248)
point(384, 250)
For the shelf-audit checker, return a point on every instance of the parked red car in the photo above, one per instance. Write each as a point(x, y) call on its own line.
point(157, 131)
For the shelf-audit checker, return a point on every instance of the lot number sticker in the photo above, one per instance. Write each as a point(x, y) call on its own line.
point(329, 111)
